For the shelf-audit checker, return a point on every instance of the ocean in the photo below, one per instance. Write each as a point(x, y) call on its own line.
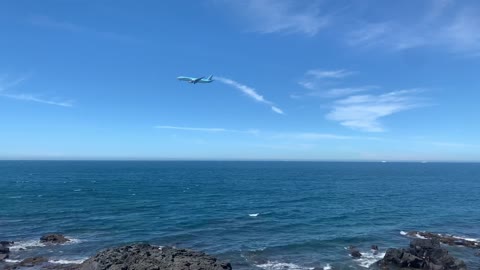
point(257, 215)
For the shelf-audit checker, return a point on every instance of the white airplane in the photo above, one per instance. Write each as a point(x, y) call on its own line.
point(196, 80)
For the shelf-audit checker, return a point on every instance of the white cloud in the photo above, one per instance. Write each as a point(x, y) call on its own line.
point(6, 85)
point(51, 23)
point(363, 112)
point(318, 82)
point(446, 24)
point(316, 136)
point(277, 110)
point(250, 92)
point(287, 16)
point(296, 136)
point(454, 145)
point(28, 97)
point(339, 92)
point(195, 129)
point(329, 74)
point(213, 130)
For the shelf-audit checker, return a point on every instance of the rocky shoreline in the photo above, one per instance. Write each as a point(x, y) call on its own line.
point(424, 252)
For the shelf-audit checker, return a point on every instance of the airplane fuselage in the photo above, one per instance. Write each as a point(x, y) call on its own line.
point(195, 80)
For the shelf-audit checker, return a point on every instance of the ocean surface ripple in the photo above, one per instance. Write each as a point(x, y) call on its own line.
point(258, 215)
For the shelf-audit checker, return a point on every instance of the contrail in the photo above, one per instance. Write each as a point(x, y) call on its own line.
point(249, 92)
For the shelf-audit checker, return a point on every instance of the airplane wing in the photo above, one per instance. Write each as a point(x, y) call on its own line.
point(197, 79)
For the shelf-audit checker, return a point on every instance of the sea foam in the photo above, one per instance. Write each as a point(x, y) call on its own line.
point(369, 258)
point(64, 261)
point(29, 244)
point(282, 266)
point(26, 245)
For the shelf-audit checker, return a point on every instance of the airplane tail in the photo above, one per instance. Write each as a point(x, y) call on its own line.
point(210, 77)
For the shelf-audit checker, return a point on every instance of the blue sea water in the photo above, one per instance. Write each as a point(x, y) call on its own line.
point(258, 215)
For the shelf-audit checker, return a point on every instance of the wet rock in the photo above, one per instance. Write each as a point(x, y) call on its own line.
point(6, 243)
point(424, 244)
point(3, 257)
point(446, 239)
point(62, 267)
point(355, 253)
point(422, 254)
point(374, 247)
point(30, 262)
point(54, 239)
point(4, 250)
point(147, 257)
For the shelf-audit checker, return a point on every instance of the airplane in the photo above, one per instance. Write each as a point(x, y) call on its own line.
point(196, 80)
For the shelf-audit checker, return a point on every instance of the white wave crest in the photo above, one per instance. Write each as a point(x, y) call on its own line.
point(254, 215)
point(12, 261)
point(29, 244)
point(282, 266)
point(467, 239)
point(72, 241)
point(73, 261)
point(369, 258)
point(26, 245)
point(419, 236)
point(416, 235)
point(327, 267)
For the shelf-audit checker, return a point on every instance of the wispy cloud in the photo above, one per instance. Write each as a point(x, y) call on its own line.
point(195, 129)
point(287, 16)
point(5, 83)
point(28, 97)
point(271, 135)
point(319, 83)
point(250, 92)
point(454, 145)
point(340, 92)
point(5, 92)
point(330, 74)
point(363, 112)
point(445, 24)
point(312, 136)
point(314, 79)
point(203, 129)
point(51, 23)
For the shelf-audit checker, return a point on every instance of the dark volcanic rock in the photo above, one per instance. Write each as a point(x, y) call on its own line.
point(374, 247)
point(54, 239)
point(30, 262)
point(424, 244)
point(422, 254)
point(4, 250)
point(147, 257)
point(446, 239)
point(355, 253)
point(6, 243)
point(62, 267)
point(3, 257)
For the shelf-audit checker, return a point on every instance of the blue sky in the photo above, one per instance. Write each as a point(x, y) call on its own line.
point(294, 80)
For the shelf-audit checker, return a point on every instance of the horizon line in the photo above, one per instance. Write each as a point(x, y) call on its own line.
point(246, 160)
